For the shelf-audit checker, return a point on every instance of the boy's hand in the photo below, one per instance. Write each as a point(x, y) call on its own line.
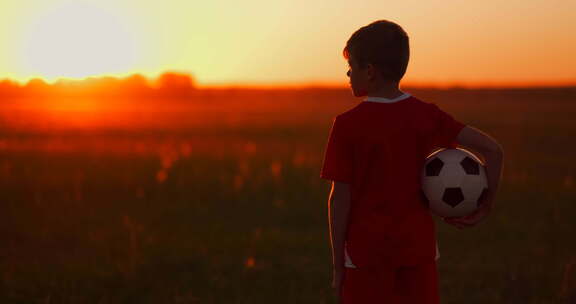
point(473, 218)
point(338, 276)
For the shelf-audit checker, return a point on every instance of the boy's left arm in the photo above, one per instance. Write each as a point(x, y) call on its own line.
point(338, 212)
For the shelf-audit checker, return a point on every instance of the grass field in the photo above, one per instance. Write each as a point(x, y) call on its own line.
point(218, 200)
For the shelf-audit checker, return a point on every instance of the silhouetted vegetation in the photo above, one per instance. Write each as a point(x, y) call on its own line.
point(167, 85)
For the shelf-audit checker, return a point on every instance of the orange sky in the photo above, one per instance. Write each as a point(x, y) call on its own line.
point(292, 42)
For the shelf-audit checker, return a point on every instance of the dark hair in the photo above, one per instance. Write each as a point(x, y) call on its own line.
point(382, 43)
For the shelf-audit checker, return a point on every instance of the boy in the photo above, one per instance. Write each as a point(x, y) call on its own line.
point(382, 236)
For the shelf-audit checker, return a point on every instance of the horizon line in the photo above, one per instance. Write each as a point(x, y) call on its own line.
point(300, 85)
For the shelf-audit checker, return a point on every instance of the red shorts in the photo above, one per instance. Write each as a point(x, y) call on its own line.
point(391, 285)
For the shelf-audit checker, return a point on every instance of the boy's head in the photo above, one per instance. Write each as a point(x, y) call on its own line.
point(377, 55)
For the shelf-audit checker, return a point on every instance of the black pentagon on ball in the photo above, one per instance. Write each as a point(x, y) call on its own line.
point(470, 166)
point(453, 196)
point(482, 197)
point(433, 168)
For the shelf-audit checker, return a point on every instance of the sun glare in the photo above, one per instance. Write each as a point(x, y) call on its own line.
point(76, 40)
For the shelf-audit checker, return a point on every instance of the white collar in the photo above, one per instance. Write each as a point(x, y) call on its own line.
point(387, 100)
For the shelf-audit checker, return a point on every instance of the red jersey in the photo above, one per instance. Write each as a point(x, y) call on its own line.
point(380, 148)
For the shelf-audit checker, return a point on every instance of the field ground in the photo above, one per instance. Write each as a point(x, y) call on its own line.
point(219, 200)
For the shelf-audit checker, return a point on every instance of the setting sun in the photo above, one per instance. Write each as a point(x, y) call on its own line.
point(77, 40)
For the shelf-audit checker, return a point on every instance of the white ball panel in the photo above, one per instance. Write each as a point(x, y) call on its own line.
point(472, 186)
point(452, 156)
point(483, 176)
point(451, 175)
point(433, 188)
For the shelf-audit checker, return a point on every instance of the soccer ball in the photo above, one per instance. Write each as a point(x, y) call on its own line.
point(453, 182)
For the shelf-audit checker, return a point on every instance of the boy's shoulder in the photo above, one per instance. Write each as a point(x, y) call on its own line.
point(359, 111)
point(350, 113)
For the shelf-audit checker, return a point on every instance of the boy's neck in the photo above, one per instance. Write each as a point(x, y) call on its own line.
point(389, 92)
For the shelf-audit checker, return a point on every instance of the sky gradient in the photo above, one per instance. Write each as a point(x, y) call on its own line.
point(296, 42)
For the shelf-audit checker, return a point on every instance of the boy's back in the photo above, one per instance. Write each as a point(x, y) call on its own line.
point(379, 148)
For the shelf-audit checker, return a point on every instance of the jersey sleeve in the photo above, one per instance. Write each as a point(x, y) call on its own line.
point(446, 129)
point(337, 165)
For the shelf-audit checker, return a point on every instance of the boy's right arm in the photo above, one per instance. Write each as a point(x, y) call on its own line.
point(493, 155)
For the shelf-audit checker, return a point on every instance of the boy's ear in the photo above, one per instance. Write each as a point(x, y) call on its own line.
point(372, 71)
